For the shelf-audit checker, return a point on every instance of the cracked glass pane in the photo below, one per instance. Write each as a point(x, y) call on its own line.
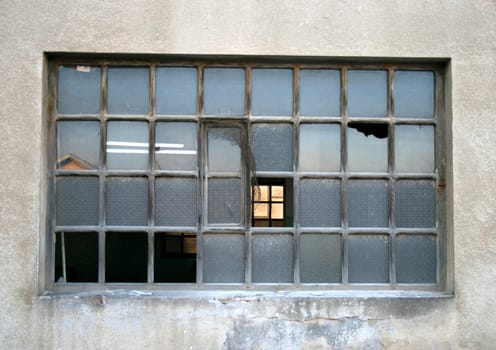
point(367, 147)
point(224, 150)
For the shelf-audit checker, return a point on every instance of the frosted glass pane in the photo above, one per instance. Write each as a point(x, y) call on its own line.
point(126, 257)
point(272, 92)
point(414, 148)
point(416, 259)
point(367, 93)
point(79, 90)
point(176, 146)
point(320, 203)
point(77, 201)
point(127, 145)
point(368, 147)
point(81, 256)
point(320, 92)
point(127, 201)
point(128, 90)
point(272, 258)
point(224, 201)
point(367, 203)
point(320, 260)
point(368, 259)
point(224, 91)
point(320, 147)
point(78, 145)
point(176, 202)
point(223, 258)
point(415, 204)
point(414, 94)
point(224, 151)
point(177, 90)
point(273, 147)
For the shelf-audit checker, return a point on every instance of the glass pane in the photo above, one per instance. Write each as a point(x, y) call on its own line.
point(273, 147)
point(320, 260)
point(78, 145)
point(177, 90)
point(367, 93)
point(368, 147)
point(277, 193)
point(224, 258)
point(77, 201)
point(176, 147)
point(414, 148)
point(272, 258)
point(367, 203)
point(416, 259)
point(128, 90)
point(320, 92)
point(175, 258)
point(127, 145)
point(79, 90)
point(224, 91)
point(414, 94)
point(277, 211)
point(261, 193)
point(320, 147)
point(272, 91)
point(127, 201)
point(224, 201)
point(261, 210)
point(368, 259)
point(176, 202)
point(126, 257)
point(224, 151)
point(81, 257)
point(320, 203)
point(415, 203)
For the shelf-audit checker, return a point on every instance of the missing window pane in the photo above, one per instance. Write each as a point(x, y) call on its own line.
point(175, 258)
point(126, 257)
point(76, 257)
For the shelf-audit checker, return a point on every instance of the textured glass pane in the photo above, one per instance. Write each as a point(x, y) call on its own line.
point(368, 147)
point(127, 145)
point(177, 90)
point(175, 258)
point(320, 147)
point(367, 93)
point(224, 201)
point(224, 151)
point(81, 257)
point(415, 204)
point(126, 257)
point(320, 92)
point(176, 202)
point(272, 258)
point(272, 91)
point(273, 147)
point(367, 203)
point(128, 90)
point(320, 260)
point(414, 94)
point(176, 146)
point(414, 148)
point(79, 90)
point(368, 259)
point(77, 201)
point(224, 91)
point(320, 203)
point(127, 201)
point(223, 258)
point(78, 145)
point(416, 259)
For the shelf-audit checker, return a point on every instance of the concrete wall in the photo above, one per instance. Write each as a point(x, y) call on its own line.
point(462, 30)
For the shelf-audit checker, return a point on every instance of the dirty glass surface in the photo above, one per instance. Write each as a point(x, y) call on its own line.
point(224, 258)
point(78, 145)
point(176, 90)
point(224, 91)
point(126, 256)
point(176, 146)
point(414, 94)
point(414, 147)
point(367, 93)
point(224, 201)
point(79, 90)
point(126, 201)
point(272, 92)
point(272, 258)
point(224, 150)
point(127, 145)
point(367, 147)
point(320, 260)
point(320, 203)
point(416, 259)
point(128, 90)
point(415, 203)
point(320, 92)
point(77, 200)
point(176, 201)
point(367, 203)
point(273, 147)
point(320, 147)
point(368, 259)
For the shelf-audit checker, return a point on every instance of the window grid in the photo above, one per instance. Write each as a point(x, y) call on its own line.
point(247, 121)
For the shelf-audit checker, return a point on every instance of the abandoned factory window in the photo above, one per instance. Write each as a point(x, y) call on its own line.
point(248, 174)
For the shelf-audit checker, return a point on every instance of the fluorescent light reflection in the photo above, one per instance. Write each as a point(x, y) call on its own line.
point(134, 148)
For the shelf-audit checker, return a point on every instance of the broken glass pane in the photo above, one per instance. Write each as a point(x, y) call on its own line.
point(272, 92)
point(320, 260)
point(177, 90)
point(272, 258)
point(77, 201)
point(367, 147)
point(415, 203)
point(414, 148)
point(224, 201)
point(367, 93)
point(128, 90)
point(78, 145)
point(416, 259)
point(320, 147)
point(320, 92)
point(224, 150)
point(414, 94)
point(175, 201)
point(79, 90)
point(223, 258)
point(367, 203)
point(368, 258)
point(175, 257)
point(80, 257)
point(175, 147)
point(320, 203)
point(273, 147)
point(127, 201)
point(127, 145)
point(224, 91)
point(126, 257)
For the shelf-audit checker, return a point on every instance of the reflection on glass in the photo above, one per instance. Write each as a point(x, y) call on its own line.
point(320, 92)
point(367, 147)
point(414, 94)
point(368, 259)
point(273, 147)
point(223, 258)
point(320, 147)
point(272, 92)
point(127, 145)
point(367, 93)
point(414, 148)
point(176, 146)
point(79, 90)
point(177, 90)
point(224, 151)
point(224, 91)
point(128, 90)
point(78, 145)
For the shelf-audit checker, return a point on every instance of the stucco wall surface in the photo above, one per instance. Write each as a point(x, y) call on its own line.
point(462, 30)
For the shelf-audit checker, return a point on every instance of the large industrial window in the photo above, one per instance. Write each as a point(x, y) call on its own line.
point(255, 174)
